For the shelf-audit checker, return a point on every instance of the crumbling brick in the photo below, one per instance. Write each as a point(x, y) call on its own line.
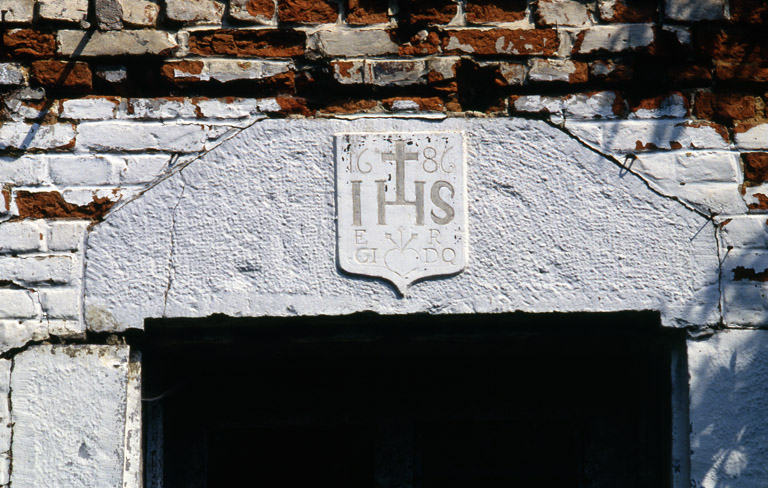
point(709, 105)
point(308, 11)
point(28, 43)
point(360, 12)
point(522, 42)
point(279, 43)
point(60, 74)
point(479, 11)
point(756, 167)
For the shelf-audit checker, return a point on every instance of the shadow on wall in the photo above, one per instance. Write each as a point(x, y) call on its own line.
point(728, 404)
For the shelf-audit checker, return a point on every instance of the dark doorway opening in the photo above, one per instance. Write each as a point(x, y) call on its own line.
point(565, 400)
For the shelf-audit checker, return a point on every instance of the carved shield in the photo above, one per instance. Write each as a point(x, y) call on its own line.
point(401, 205)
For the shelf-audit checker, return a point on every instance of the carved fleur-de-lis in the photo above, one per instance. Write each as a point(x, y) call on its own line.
point(403, 244)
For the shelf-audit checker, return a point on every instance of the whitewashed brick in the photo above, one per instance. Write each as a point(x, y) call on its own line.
point(23, 171)
point(728, 395)
point(17, 304)
point(69, 402)
point(26, 270)
point(552, 70)
point(238, 9)
point(754, 138)
point(757, 197)
point(115, 43)
point(634, 135)
point(694, 10)
point(19, 135)
point(140, 169)
point(66, 329)
point(380, 72)
point(18, 10)
point(216, 108)
point(112, 74)
point(350, 42)
point(12, 74)
point(744, 232)
point(134, 136)
point(17, 333)
point(564, 13)
point(27, 110)
point(446, 66)
point(198, 11)
point(66, 235)
point(60, 303)
point(69, 10)
point(96, 108)
point(225, 70)
point(614, 38)
point(21, 236)
point(160, 108)
point(513, 73)
point(715, 198)
point(673, 106)
point(81, 170)
point(579, 106)
point(140, 13)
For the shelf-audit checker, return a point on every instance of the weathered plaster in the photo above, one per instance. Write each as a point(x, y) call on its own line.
point(248, 230)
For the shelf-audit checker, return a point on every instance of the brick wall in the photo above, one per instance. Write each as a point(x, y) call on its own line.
point(100, 99)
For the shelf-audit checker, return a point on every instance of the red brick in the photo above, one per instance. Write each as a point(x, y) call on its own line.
point(735, 71)
point(627, 10)
point(756, 166)
point(349, 106)
point(60, 74)
point(427, 11)
point(191, 67)
point(279, 43)
point(610, 71)
point(689, 73)
point(434, 104)
point(29, 42)
point(495, 10)
point(731, 106)
point(420, 45)
point(51, 205)
point(751, 11)
point(260, 8)
point(735, 44)
point(518, 42)
point(307, 11)
point(361, 12)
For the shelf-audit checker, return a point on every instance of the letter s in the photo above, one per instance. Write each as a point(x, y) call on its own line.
point(440, 203)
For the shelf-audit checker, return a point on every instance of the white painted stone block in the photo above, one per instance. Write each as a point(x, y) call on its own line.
point(636, 135)
point(694, 10)
point(21, 236)
point(17, 333)
point(728, 400)
point(66, 235)
point(744, 232)
point(754, 138)
point(564, 13)
point(97, 108)
point(81, 170)
point(140, 13)
point(5, 421)
point(615, 38)
point(69, 414)
point(132, 136)
point(12, 74)
point(551, 70)
point(28, 170)
point(198, 11)
point(238, 108)
point(17, 304)
point(28, 270)
point(60, 303)
point(141, 168)
point(342, 42)
point(115, 43)
point(225, 70)
point(19, 135)
point(19, 10)
point(671, 107)
point(160, 108)
point(70, 10)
